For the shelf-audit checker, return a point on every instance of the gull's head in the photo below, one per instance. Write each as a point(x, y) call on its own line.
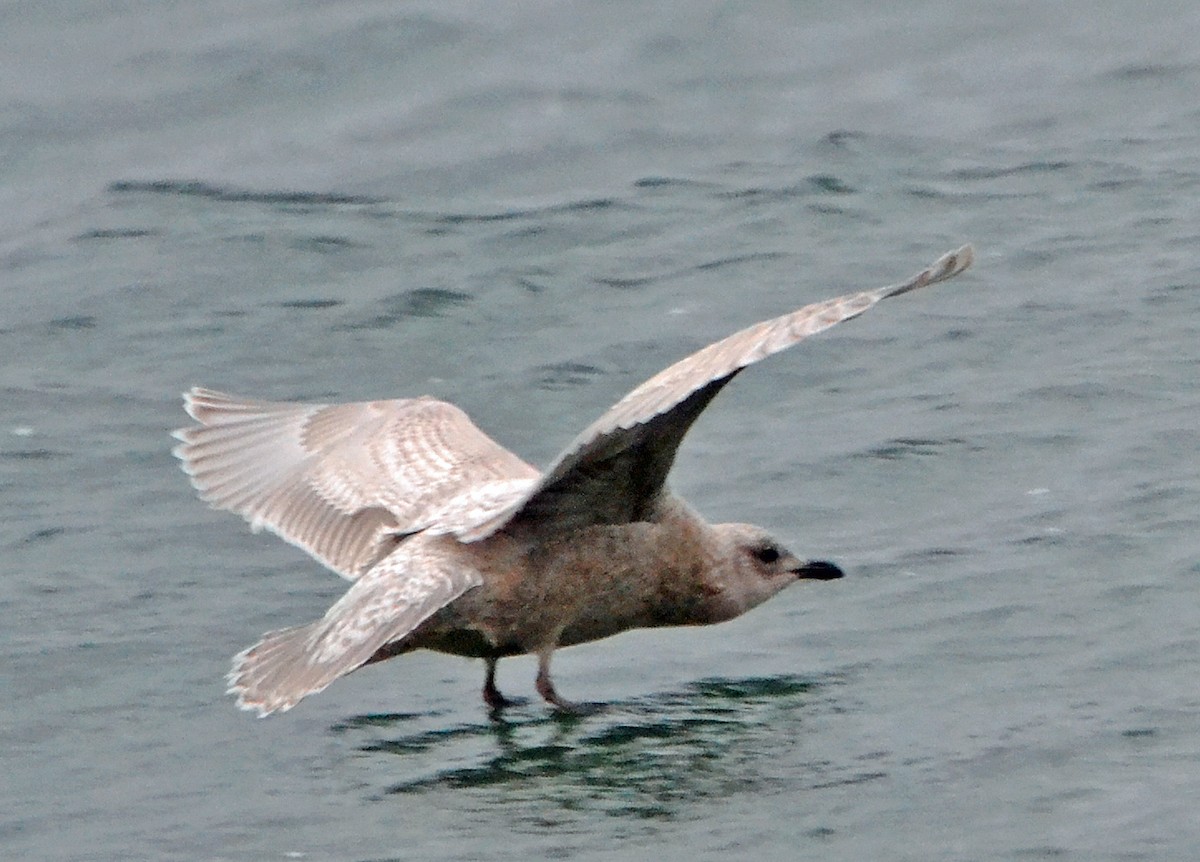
point(753, 567)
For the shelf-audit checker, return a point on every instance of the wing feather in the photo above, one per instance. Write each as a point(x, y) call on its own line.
point(381, 607)
point(616, 468)
point(344, 481)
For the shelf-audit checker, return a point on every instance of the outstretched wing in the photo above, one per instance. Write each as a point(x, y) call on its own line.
point(615, 470)
point(382, 606)
point(345, 481)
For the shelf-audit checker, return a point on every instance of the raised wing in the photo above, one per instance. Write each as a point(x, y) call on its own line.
point(345, 482)
point(615, 470)
point(382, 606)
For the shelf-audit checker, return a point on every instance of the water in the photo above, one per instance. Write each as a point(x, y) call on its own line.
point(527, 209)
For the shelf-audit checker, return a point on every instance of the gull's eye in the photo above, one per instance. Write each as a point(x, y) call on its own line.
point(767, 555)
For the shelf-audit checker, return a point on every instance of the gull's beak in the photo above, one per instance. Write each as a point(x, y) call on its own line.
point(819, 570)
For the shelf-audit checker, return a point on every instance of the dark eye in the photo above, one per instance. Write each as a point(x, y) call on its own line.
point(767, 554)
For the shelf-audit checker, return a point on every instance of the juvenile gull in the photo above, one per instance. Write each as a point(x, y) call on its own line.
point(455, 544)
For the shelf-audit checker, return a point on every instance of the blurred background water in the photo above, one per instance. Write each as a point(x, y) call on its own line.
point(528, 208)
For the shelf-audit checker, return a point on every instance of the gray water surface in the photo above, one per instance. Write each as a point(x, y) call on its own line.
point(526, 209)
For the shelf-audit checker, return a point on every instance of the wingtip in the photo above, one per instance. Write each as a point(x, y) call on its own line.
point(948, 265)
point(241, 691)
point(260, 710)
point(198, 398)
point(945, 267)
point(958, 260)
point(189, 401)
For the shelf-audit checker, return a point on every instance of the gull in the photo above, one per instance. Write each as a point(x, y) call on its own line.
point(453, 543)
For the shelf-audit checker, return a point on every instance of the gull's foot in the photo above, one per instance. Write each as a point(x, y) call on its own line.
point(492, 696)
point(498, 705)
point(565, 707)
point(497, 702)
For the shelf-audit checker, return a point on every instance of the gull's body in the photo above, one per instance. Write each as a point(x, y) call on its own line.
point(453, 543)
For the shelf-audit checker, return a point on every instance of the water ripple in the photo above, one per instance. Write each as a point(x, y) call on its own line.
point(232, 194)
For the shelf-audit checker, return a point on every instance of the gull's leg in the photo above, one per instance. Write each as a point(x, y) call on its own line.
point(545, 687)
point(491, 695)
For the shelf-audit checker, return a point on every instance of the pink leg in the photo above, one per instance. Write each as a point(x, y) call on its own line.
point(545, 687)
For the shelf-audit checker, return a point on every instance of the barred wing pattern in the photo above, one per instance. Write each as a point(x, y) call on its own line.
point(616, 469)
point(345, 482)
point(381, 607)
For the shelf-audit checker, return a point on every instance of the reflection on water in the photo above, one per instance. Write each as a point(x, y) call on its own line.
point(646, 758)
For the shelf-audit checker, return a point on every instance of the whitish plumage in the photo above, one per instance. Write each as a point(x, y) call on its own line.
point(456, 544)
